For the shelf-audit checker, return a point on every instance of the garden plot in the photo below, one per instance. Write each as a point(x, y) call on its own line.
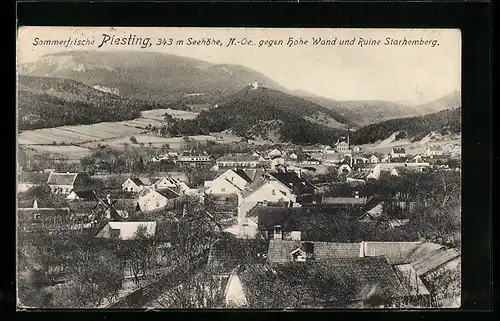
point(71, 152)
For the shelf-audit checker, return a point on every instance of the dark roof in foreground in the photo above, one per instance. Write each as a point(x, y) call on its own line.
point(328, 283)
point(228, 253)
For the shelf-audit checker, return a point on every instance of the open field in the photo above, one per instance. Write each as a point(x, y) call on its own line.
point(71, 152)
point(158, 114)
point(76, 134)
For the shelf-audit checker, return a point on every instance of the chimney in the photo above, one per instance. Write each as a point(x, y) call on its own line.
point(356, 194)
point(35, 204)
point(278, 233)
point(308, 248)
point(108, 198)
point(362, 248)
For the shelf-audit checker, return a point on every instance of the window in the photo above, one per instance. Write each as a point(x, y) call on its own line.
point(274, 192)
point(223, 189)
point(36, 217)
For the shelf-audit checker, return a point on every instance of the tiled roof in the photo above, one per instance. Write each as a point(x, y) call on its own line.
point(396, 252)
point(82, 207)
point(279, 250)
point(427, 262)
point(61, 178)
point(345, 200)
point(228, 253)
point(328, 283)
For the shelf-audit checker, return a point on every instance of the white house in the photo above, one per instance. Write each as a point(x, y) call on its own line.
point(398, 152)
point(150, 200)
point(434, 150)
point(356, 149)
point(293, 156)
point(165, 182)
point(229, 182)
point(342, 147)
point(126, 230)
point(374, 159)
point(136, 184)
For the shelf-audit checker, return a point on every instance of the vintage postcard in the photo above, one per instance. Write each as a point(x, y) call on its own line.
point(176, 168)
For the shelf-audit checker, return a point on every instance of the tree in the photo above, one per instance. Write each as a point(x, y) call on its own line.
point(97, 274)
point(203, 290)
point(133, 140)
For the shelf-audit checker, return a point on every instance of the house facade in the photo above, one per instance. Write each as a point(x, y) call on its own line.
point(136, 184)
point(398, 152)
point(150, 200)
point(434, 150)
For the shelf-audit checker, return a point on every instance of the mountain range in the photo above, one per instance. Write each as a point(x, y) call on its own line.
point(83, 86)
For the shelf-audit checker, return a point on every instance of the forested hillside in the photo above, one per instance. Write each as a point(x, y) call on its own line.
point(263, 113)
point(415, 128)
point(50, 102)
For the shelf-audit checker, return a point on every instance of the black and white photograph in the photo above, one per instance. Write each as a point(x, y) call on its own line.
point(238, 168)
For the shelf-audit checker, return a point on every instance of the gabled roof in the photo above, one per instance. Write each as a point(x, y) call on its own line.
point(141, 181)
point(280, 250)
point(227, 253)
point(328, 283)
point(61, 178)
point(128, 229)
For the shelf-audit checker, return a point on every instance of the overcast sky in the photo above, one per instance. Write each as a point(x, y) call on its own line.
point(415, 74)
